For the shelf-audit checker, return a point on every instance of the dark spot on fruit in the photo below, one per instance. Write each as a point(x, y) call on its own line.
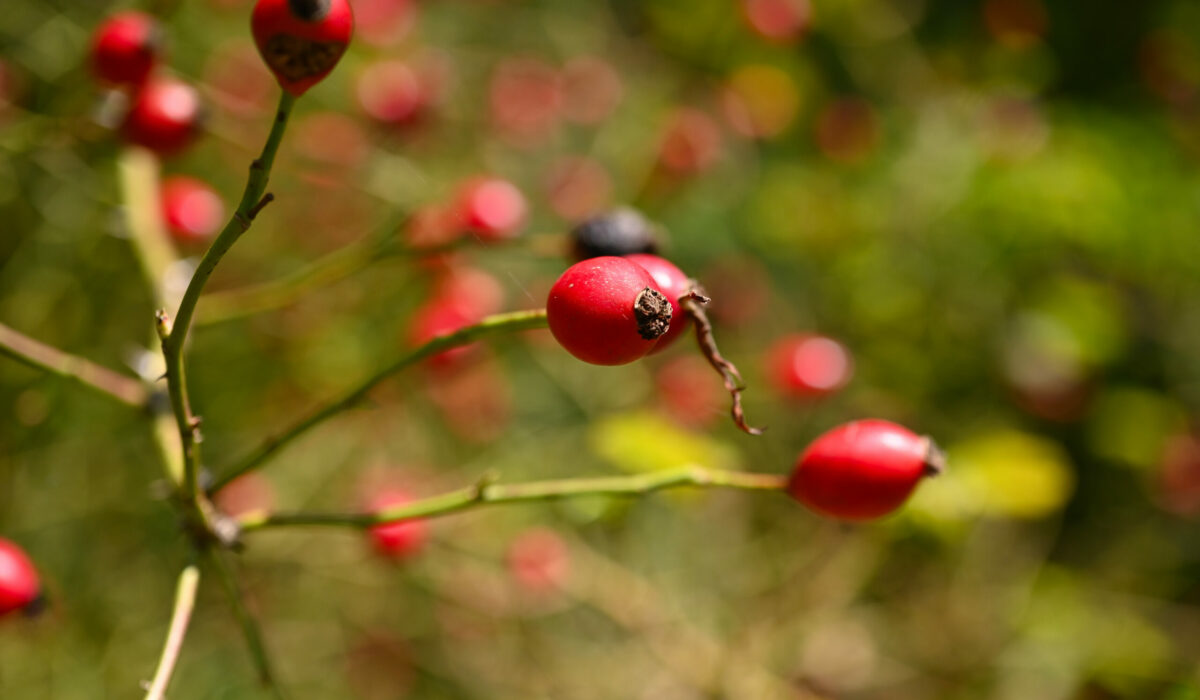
point(652, 310)
point(296, 59)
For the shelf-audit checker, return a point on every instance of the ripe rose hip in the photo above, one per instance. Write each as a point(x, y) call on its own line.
point(192, 210)
point(401, 539)
point(18, 580)
point(863, 470)
point(622, 231)
point(672, 282)
point(301, 40)
point(607, 311)
point(165, 116)
point(539, 560)
point(125, 48)
point(808, 365)
point(491, 208)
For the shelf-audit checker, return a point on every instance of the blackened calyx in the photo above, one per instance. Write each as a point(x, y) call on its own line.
point(310, 10)
point(652, 310)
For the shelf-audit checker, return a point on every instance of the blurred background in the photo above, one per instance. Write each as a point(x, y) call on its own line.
point(984, 213)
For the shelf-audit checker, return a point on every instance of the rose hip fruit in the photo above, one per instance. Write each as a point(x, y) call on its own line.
point(165, 116)
point(491, 208)
point(19, 584)
point(193, 211)
point(672, 282)
point(400, 539)
point(125, 48)
point(607, 311)
point(808, 366)
point(622, 231)
point(301, 40)
point(863, 470)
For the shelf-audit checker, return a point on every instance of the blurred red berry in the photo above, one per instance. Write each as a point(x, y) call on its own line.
point(125, 48)
point(674, 284)
point(808, 365)
point(686, 392)
point(691, 143)
point(592, 89)
point(607, 311)
point(398, 540)
point(474, 291)
point(192, 210)
point(248, 494)
point(863, 470)
point(778, 20)
point(439, 317)
point(491, 208)
point(526, 98)
point(301, 40)
point(391, 92)
point(539, 560)
point(165, 116)
point(19, 585)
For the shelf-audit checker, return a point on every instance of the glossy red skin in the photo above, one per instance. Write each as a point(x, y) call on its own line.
point(19, 584)
point(193, 211)
point(491, 208)
point(790, 365)
point(272, 18)
point(165, 116)
point(125, 48)
point(672, 282)
point(590, 310)
point(400, 539)
point(860, 471)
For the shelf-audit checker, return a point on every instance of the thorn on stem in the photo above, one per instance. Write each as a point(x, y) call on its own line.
point(693, 303)
point(266, 199)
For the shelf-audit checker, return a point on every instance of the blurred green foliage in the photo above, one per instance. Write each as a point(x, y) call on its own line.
point(994, 205)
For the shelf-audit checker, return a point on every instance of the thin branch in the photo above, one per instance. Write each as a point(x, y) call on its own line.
point(232, 304)
point(138, 172)
point(185, 601)
point(486, 494)
point(174, 334)
point(492, 325)
point(86, 373)
point(250, 629)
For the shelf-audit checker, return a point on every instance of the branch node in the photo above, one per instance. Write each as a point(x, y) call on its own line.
point(480, 488)
point(162, 324)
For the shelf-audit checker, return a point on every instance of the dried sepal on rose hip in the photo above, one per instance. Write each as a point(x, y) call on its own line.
point(19, 585)
point(863, 470)
point(607, 311)
point(674, 284)
point(301, 40)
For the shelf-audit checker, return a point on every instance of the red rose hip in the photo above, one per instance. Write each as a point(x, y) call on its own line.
point(125, 48)
point(301, 40)
point(192, 210)
point(165, 116)
point(607, 311)
point(863, 470)
point(808, 366)
point(491, 208)
point(400, 539)
point(672, 282)
point(18, 579)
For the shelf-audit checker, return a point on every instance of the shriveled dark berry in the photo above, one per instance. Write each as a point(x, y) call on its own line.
point(622, 231)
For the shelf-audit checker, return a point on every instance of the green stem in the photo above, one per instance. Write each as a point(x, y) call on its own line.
point(185, 602)
point(232, 304)
point(174, 334)
point(485, 494)
point(250, 630)
point(492, 325)
point(85, 373)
